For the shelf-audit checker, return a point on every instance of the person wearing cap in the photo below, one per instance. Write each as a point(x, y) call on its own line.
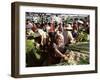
point(80, 25)
point(69, 38)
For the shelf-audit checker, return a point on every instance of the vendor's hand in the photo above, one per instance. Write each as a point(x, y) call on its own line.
point(65, 57)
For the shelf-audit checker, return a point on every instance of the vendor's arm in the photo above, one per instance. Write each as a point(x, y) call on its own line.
point(59, 53)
